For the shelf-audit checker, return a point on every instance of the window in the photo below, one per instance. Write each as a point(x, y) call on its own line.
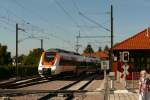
point(49, 56)
point(132, 60)
point(148, 60)
point(65, 62)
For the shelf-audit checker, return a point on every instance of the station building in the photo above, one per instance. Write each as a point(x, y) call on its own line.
point(137, 50)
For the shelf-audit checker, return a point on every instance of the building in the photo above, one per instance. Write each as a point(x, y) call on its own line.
point(101, 54)
point(138, 47)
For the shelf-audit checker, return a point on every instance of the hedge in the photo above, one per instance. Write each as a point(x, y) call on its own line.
point(23, 71)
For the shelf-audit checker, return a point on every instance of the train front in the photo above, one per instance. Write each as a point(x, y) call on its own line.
point(47, 64)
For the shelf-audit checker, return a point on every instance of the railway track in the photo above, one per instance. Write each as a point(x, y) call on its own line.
point(15, 84)
point(78, 85)
point(15, 79)
point(76, 89)
point(23, 83)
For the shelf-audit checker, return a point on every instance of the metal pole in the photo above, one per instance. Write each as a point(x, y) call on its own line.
point(110, 56)
point(125, 83)
point(105, 72)
point(132, 79)
point(17, 49)
point(111, 51)
point(77, 45)
point(41, 43)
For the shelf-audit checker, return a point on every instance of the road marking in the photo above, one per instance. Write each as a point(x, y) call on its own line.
point(121, 91)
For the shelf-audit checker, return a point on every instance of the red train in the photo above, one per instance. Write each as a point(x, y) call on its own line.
point(58, 61)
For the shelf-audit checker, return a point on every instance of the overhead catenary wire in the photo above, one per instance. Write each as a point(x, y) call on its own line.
point(88, 26)
point(11, 22)
point(52, 35)
point(67, 13)
point(31, 11)
point(22, 23)
point(7, 28)
point(91, 20)
point(58, 37)
point(10, 11)
point(75, 5)
point(6, 23)
point(8, 20)
point(41, 18)
point(84, 22)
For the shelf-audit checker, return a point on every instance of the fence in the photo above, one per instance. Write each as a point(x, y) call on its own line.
point(134, 82)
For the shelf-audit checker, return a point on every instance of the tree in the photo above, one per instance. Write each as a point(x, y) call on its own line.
point(100, 49)
point(5, 56)
point(33, 57)
point(106, 48)
point(21, 59)
point(88, 49)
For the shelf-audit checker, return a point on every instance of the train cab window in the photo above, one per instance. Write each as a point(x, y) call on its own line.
point(49, 56)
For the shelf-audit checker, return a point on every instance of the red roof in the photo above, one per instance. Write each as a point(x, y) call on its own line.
point(100, 54)
point(140, 41)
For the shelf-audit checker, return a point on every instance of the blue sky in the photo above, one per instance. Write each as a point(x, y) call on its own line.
point(58, 22)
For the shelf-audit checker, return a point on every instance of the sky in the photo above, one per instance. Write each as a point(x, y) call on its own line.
point(58, 22)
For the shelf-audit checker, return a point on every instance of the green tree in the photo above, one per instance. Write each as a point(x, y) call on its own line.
point(5, 56)
point(21, 59)
point(33, 57)
point(88, 49)
point(100, 49)
point(106, 48)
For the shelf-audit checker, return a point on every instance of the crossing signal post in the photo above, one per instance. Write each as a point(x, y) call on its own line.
point(125, 56)
point(125, 59)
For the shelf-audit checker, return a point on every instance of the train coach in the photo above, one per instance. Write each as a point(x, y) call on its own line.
point(58, 61)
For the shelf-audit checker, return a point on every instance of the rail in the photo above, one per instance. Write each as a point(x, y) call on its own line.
point(27, 82)
point(19, 83)
point(70, 95)
point(14, 92)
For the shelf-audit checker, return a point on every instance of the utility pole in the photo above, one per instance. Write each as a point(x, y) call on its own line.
point(111, 50)
point(79, 36)
point(41, 43)
point(77, 45)
point(110, 57)
point(17, 28)
point(17, 49)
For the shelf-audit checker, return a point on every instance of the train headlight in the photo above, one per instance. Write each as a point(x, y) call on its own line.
point(40, 68)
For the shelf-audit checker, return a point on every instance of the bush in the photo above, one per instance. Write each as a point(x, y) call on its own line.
point(4, 72)
point(23, 70)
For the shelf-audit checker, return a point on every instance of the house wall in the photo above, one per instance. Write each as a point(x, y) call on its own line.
point(138, 60)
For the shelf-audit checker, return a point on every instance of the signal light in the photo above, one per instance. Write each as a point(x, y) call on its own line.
point(125, 56)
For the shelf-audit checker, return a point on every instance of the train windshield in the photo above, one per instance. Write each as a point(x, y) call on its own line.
point(49, 56)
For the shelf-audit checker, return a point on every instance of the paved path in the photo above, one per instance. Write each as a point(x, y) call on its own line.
point(122, 95)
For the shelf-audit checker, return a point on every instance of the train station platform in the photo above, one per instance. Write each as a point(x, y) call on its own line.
point(121, 92)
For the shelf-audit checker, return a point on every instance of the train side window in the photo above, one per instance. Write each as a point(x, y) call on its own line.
point(65, 62)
